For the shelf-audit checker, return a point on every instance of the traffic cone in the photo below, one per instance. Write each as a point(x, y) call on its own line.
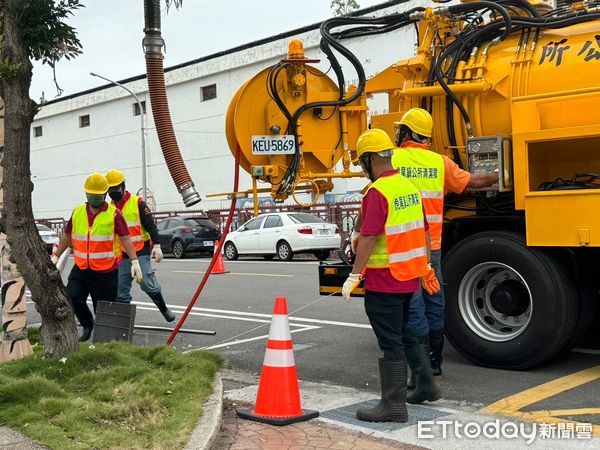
point(219, 266)
point(278, 397)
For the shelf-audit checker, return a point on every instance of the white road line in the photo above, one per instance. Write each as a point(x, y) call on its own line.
point(332, 322)
point(242, 341)
point(236, 342)
point(192, 313)
point(237, 273)
point(283, 263)
point(266, 316)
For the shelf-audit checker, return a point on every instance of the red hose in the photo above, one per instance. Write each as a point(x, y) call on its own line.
point(214, 258)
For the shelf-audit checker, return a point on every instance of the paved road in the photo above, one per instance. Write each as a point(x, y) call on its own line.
point(333, 341)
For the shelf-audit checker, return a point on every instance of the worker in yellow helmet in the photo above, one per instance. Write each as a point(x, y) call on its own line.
point(144, 235)
point(433, 175)
point(96, 231)
point(393, 254)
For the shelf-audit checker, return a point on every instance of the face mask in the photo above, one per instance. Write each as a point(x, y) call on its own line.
point(116, 196)
point(95, 200)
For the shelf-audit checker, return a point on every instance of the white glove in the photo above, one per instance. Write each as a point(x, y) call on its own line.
point(157, 253)
point(354, 240)
point(136, 271)
point(54, 259)
point(350, 284)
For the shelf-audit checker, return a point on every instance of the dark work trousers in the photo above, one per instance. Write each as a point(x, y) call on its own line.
point(388, 314)
point(100, 286)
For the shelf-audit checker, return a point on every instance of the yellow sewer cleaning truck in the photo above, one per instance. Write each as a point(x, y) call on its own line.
point(513, 87)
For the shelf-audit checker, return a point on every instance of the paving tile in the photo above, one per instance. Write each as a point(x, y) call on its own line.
point(342, 446)
point(237, 434)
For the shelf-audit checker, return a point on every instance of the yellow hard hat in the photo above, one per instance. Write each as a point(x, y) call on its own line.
point(115, 177)
point(418, 120)
point(373, 141)
point(96, 183)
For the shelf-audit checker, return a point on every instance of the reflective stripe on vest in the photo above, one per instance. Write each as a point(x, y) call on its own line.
point(425, 169)
point(402, 248)
point(96, 246)
point(131, 212)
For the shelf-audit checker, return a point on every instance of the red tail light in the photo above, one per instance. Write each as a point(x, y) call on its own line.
point(305, 230)
point(187, 229)
point(337, 230)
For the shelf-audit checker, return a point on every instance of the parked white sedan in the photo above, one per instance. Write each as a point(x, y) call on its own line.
point(283, 235)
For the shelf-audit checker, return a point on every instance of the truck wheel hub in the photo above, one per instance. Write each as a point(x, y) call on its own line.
point(495, 301)
point(510, 298)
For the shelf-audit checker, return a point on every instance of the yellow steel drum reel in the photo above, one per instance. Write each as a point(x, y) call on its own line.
point(253, 111)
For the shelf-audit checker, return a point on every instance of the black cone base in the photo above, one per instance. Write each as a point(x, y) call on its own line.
point(307, 414)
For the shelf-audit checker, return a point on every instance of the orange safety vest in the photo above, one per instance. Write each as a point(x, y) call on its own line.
point(403, 247)
point(425, 169)
point(96, 246)
point(131, 212)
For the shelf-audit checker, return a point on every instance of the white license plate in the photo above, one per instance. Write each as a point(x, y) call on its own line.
point(324, 232)
point(208, 243)
point(273, 145)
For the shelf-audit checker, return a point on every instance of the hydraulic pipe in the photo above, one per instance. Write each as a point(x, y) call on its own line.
point(438, 91)
point(153, 44)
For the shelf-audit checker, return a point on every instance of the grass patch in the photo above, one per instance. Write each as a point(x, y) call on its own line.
point(107, 396)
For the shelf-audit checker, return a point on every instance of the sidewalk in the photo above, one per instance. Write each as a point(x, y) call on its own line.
point(13, 440)
point(239, 434)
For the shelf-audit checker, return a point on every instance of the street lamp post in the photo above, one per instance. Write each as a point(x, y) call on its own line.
point(144, 188)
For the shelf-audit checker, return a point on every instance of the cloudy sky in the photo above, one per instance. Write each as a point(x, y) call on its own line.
point(111, 33)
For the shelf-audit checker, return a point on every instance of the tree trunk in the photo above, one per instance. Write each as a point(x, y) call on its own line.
point(48, 292)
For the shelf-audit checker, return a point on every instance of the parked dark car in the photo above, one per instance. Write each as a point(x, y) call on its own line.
point(181, 235)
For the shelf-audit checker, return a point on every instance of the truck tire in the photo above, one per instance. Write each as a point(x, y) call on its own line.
point(508, 306)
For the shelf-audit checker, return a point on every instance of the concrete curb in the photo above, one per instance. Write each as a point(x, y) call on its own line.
point(206, 432)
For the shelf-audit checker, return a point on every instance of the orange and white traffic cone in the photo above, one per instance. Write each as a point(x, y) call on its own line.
point(278, 397)
point(219, 266)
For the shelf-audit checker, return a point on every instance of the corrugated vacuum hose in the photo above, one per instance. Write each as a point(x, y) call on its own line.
point(153, 44)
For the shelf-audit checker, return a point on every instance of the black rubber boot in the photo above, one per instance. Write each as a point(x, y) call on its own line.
point(436, 346)
point(410, 384)
point(416, 351)
point(162, 306)
point(392, 406)
point(86, 334)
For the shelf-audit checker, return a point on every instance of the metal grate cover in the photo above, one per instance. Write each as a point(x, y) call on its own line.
point(114, 322)
point(347, 414)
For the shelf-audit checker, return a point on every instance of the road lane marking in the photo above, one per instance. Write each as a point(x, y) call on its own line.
point(237, 273)
point(266, 316)
point(283, 263)
point(243, 341)
point(565, 412)
point(234, 313)
point(512, 406)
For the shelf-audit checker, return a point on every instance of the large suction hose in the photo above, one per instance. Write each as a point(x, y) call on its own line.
point(153, 44)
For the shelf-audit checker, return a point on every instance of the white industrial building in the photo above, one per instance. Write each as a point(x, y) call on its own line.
point(98, 129)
